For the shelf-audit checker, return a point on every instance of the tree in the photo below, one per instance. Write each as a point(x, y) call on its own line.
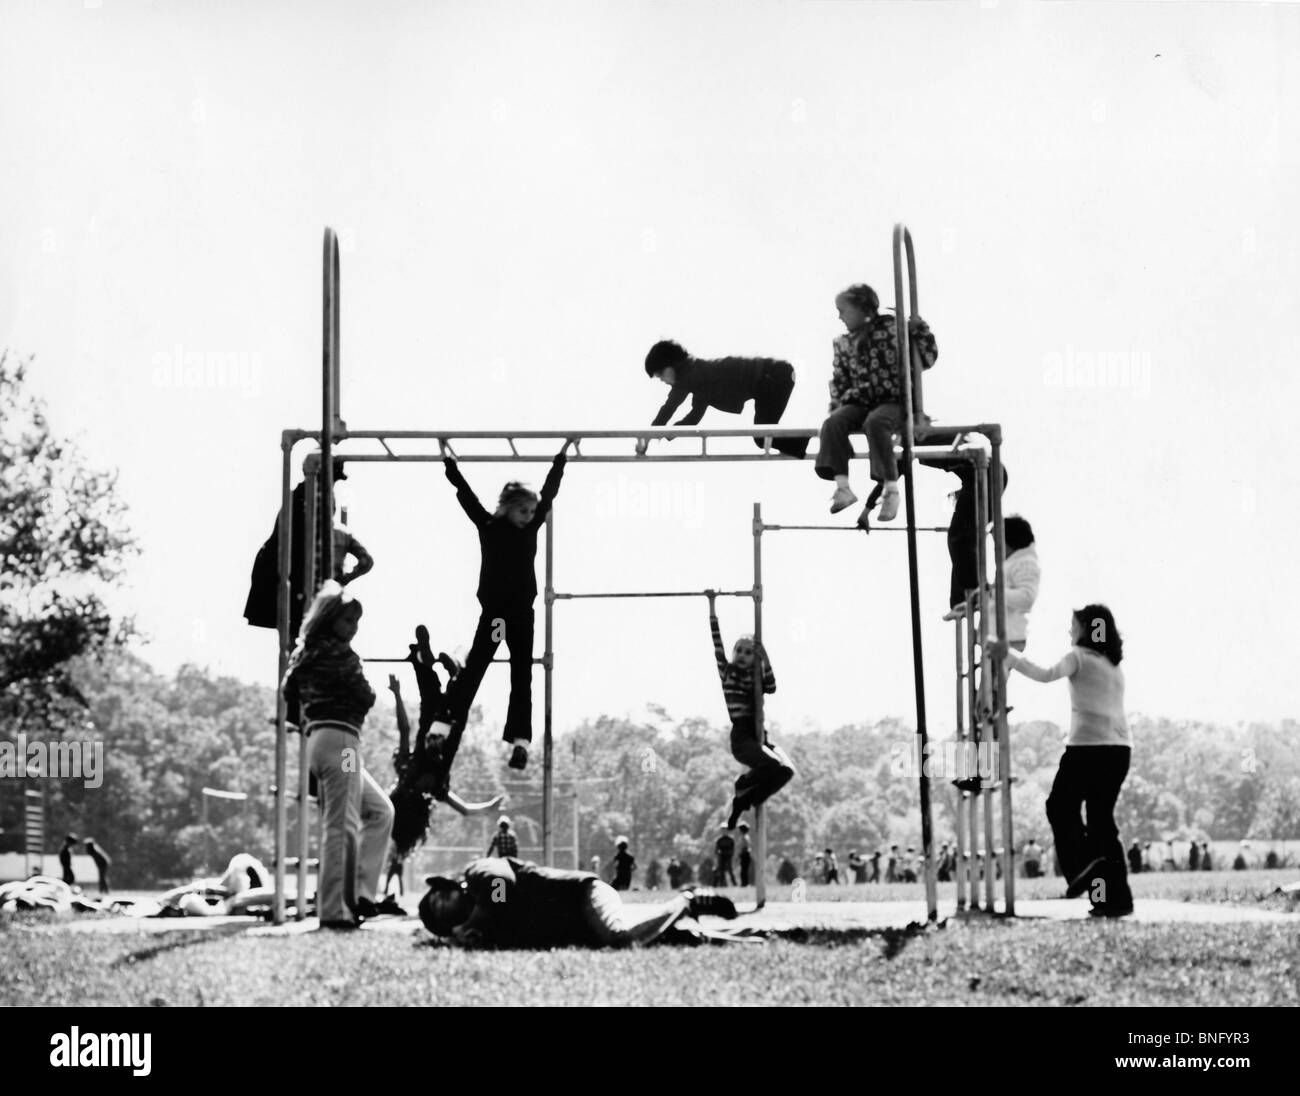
point(63, 539)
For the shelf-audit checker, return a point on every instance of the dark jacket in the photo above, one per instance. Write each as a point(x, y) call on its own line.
point(507, 580)
point(727, 384)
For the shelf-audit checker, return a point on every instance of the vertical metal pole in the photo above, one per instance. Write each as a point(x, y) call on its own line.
point(548, 660)
point(329, 400)
point(285, 533)
point(311, 469)
point(1001, 731)
point(759, 861)
point(918, 659)
point(971, 804)
point(577, 850)
point(984, 698)
point(962, 756)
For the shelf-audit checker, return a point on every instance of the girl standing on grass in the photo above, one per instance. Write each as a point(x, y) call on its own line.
point(1095, 762)
point(357, 816)
point(507, 589)
point(768, 769)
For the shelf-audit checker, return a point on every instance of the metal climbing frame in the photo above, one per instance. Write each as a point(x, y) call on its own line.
point(401, 446)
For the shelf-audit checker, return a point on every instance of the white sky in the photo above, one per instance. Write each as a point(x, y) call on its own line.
point(531, 194)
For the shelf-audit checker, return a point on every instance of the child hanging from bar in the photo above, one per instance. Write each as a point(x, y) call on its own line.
point(768, 768)
point(867, 394)
point(725, 383)
point(421, 776)
point(507, 588)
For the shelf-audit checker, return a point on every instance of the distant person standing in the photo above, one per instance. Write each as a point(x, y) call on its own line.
point(892, 870)
point(875, 867)
point(744, 854)
point(1194, 857)
point(674, 873)
point(1135, 858)
point(724, 848)
point(1206, 865)
point(858, 866)
point(624, 865)
point(504, 843)
point(1033, 860)
point(832, 869)
point(102, 861)
point(1240, 861)
point(65, 859)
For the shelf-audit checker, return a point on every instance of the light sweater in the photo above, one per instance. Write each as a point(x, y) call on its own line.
point(1096, 695)
point(1021, 581)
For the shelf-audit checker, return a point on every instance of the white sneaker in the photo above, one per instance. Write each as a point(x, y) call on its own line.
point(956, 612)
point(888, 504)
point(842, 499)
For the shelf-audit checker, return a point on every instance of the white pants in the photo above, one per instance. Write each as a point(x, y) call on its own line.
point(613, 924)
point(357, 818)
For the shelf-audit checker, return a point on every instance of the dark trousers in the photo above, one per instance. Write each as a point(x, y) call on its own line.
point(1088, 780)
point(746, 860)
point(516, 628)
point(722, 873)
point(835, 448)
point(770, 399)
point(768, 771)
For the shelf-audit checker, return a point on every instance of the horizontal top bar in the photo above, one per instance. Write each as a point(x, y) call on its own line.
point(661, 593)
point(854, 528)
point(635, 433)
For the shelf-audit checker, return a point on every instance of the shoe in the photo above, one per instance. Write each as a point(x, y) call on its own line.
point(1111, 909)
point(341, 926)
point(390, 907)
point(842, 499)
point(1079, 884)
point(519, 758)
point(864, 519)
point(957, 612)
point(792, 447)
point(712, 905)
point(366, 908)
point(888, 504)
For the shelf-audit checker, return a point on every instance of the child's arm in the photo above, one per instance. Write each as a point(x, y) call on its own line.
point(692, 417)
point(464, 494)
point(461, 807)
point(364, 561)
point(719, 651)
point(676, 397)
point(1066, 667)
point(551, 486)
point(769, 678)
point(403, 724)
point(921, 341)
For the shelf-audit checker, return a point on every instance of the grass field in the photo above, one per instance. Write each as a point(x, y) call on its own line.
point(977, 963)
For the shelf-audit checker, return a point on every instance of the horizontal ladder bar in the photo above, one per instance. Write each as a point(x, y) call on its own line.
point(657, 593)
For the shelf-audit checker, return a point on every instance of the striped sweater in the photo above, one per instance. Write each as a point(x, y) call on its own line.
point(738, 684)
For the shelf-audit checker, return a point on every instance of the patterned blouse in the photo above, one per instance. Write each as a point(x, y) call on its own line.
point(865, 370)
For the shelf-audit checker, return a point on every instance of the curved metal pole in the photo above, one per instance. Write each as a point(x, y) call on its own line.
point(311, 484)
point(1001, 730)
point(901, 235)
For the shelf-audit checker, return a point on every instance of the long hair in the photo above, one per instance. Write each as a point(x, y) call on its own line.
point(1099, 633)
point(327, 606)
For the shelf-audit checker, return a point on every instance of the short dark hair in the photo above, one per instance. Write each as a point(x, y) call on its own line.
point(861, 296)
point(1099, 632)
point(664, 354)
point(1018, 532)
point(430, 914)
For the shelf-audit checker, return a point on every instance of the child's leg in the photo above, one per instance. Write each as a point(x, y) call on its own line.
point(376, 828)
point(519, 715)
point(769, 405)
point(835, 449)
point(881, 425)
point(456, 704)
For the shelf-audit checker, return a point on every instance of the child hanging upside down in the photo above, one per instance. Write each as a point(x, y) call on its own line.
point(769, 769)
point(867, 394)
point(727, 384)
point(507, 588)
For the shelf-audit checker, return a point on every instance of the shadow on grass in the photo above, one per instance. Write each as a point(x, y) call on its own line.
point(187, 940)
